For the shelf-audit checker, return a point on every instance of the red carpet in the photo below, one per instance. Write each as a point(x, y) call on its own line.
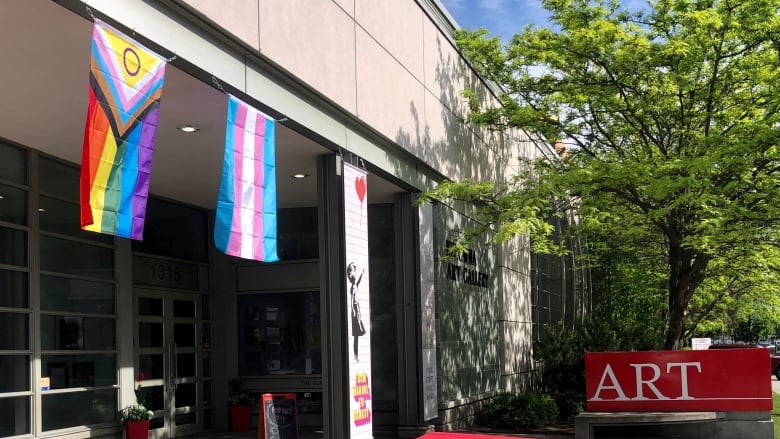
point(446, 435)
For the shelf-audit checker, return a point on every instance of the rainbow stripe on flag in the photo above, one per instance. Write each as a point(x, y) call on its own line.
point(246, 207)
point(125, 85)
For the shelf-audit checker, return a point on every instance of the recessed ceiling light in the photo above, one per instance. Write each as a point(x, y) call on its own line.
point(188, 129)
point(300, 175)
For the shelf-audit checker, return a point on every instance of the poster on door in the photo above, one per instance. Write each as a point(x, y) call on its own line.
point(357, 306)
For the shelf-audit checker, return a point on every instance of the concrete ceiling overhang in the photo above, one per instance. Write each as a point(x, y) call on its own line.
point(44, 72)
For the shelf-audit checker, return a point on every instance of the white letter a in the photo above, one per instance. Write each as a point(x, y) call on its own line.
point(615, 385)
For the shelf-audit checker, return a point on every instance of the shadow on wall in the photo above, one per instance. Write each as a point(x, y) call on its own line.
point(483, 335)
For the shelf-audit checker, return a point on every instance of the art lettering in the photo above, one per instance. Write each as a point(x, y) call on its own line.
point(466, 275)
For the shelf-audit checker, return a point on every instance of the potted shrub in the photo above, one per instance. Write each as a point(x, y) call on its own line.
point(136, 417)
point(240, 404)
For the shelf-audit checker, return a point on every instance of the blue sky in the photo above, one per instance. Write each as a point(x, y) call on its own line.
point(502, 18)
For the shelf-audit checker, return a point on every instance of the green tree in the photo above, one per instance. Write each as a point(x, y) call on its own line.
point(670, 116)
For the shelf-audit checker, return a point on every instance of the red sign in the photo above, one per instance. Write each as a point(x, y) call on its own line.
point(674, 381)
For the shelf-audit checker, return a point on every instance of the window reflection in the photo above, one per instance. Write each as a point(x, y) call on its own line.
point(63, 410)
point(14, 416)
point(279, 334)
point(13, 205)
point(74, 295)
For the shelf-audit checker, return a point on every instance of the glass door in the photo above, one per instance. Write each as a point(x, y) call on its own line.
point(168, 326)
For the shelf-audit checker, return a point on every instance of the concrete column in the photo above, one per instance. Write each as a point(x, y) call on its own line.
point(335, 410)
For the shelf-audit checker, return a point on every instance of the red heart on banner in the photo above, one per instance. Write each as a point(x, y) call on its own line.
point(360, 187)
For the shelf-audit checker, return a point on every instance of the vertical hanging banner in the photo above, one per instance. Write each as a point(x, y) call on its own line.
point(246, 208)
point(358, 303)
point(125, 86)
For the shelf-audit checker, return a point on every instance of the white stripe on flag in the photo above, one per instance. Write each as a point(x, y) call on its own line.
point(247, 186)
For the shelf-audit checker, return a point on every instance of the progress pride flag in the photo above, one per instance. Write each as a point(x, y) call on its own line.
point(673, 381)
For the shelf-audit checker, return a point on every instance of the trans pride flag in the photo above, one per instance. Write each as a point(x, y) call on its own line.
point(246, 207)
point(125, 85)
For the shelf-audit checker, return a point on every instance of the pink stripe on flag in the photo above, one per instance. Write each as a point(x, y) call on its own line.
point(257, 231)
point(234, 244)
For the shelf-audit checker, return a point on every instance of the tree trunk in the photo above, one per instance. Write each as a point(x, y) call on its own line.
point(676, 317)
point(687, 270)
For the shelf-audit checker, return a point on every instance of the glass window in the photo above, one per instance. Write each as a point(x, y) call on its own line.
point(15, 376)
point(183, 308)
point(64, 218)
point(297, 234)
point(13, 163)
point(184, 418)
point(279, 334)
point(13, 247)
point(63, 410)
point(206, 335)
point(175, 231)
point(150, 306)
point(184, 334)
point(77, 333)
point(150, 335)
point(151, 365)
point(14, 331)
point(74, 295)
point(186, 394)
point(14, 416)
point(381, 257)
point(206, 365)
point(185, 365)
point(58, 178)
point(71, 257)
point(14, 292)
point(65, 371)
point(207, 393)
point(13, 205)
point(205, 305)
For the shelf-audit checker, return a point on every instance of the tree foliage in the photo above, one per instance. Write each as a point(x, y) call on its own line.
point(670, 115)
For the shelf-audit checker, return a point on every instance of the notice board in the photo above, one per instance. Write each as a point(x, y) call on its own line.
point(279, 417)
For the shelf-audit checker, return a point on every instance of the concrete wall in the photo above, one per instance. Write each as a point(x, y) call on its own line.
point(514, 271)
point(468, 327)
point(386, 63)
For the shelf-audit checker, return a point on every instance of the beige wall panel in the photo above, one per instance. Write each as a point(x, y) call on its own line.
point(516, 254)
point(516, 297)
point(240, 19)
point(447, 140)
point(445, 70)
point(453, 148)
point(398, 27)
point(389, 98)
point(148, 21)
point(486, 160)
point(315, 42)
point(518, 348)
point(347, 5)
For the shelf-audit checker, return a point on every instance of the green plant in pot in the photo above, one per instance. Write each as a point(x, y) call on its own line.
point(137, 411)
point(136, 417)
point(240, 404)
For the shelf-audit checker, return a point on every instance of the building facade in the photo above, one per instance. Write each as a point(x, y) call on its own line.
point(367, 86)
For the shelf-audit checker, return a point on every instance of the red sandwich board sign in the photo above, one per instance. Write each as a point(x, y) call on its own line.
point(278, 417)
point(674, 381)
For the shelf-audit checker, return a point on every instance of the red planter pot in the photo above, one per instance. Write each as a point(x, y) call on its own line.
point(239, 417)
point(137, 429)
